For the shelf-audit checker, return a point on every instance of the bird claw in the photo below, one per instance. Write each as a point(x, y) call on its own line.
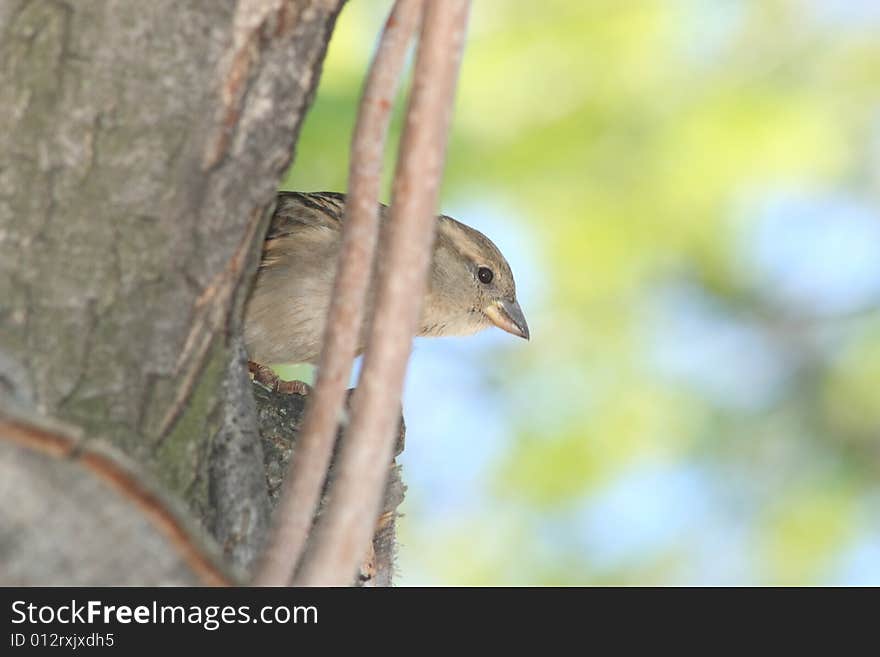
point(268, 379)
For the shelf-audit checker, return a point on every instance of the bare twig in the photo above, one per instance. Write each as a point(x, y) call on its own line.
point(343, 532)
point(310, 461)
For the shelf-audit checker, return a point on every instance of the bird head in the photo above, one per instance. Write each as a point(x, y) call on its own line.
point(470, 286)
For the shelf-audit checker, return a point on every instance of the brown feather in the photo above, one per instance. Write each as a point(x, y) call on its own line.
point(287, 310)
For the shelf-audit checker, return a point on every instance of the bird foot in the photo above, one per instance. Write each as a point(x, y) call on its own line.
point(267, 378)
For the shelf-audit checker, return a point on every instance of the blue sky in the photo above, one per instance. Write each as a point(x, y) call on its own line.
point(814, 253)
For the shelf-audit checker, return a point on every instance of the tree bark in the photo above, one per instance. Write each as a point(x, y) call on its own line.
point(141, 150)
point(280, 418)
point(79, 513)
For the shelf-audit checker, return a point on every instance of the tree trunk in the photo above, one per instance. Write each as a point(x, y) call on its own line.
point(140, 151)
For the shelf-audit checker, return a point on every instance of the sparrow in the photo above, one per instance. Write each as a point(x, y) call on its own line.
point(470, 284)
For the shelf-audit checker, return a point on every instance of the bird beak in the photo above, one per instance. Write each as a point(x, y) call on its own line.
point(507, 315)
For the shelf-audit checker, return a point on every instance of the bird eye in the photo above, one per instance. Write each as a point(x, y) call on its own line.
point(485, 275)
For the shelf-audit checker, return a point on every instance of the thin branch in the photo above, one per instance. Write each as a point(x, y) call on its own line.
point(344, 530)
point(311, 459)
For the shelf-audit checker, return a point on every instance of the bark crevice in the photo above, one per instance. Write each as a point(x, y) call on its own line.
point(113, 229)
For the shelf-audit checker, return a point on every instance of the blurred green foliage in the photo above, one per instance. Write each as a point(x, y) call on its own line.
point(635, 147)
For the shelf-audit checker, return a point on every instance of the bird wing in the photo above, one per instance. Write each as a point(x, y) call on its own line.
point(296, 212)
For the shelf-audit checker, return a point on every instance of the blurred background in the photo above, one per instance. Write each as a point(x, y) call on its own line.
point(687, 192)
